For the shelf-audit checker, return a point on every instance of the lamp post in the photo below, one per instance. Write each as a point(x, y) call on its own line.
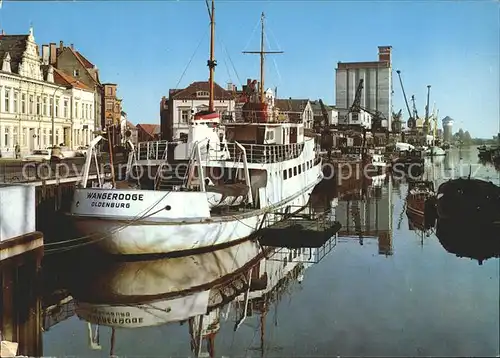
point(53, 114)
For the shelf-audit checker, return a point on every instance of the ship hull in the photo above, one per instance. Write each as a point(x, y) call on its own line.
point(120, 236)
point(469, 201)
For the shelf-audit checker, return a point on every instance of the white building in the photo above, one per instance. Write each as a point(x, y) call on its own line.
point(184, 103)
point(35, 98)
point(377, 86)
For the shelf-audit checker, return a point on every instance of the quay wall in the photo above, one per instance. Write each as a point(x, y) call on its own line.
point(18, 233)
point(17, 211)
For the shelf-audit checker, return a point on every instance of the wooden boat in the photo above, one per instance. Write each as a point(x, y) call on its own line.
point(420, 204)
point(469, 201)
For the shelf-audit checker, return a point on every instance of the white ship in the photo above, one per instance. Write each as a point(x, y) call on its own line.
point(229, 184)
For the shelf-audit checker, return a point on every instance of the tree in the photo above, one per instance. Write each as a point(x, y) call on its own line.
point(466, 139)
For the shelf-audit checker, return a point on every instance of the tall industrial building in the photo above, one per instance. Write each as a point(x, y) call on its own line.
point(377, 87)
point(447, 129)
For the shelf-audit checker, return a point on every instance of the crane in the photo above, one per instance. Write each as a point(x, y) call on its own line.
point(415, 112)
point(426, 121)
point(377, 116)
point(411, 120)
point(324, 112)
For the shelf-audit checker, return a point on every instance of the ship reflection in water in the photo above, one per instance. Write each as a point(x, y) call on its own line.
point(200, 292)
point(371, 289)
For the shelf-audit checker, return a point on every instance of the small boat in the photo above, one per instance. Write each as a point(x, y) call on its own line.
point(469, 201)
point(435, 151)
point(420, 204)
point(379, 164)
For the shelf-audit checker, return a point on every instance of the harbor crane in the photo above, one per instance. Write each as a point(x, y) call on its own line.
point(426, 121)
point(377, 116)
point(412, 122)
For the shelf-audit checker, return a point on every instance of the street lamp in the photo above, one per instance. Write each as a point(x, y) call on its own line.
point(53, 114)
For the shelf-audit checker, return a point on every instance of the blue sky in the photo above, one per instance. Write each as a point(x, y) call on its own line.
point(145, 47)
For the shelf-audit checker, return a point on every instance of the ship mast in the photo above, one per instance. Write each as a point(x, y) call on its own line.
point(262, 54)
point(211, 63)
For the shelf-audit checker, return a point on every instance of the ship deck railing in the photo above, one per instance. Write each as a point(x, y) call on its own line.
point(153, 153)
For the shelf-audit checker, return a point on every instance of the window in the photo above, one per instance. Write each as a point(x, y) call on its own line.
point(76, 109)
point(31, 101)
point(91, 114)
point(23, 103)
point(269, 135)
point(76, 73)
point(202, 94)
point(7, 100)
point(185, 115)
point(23, 139)
point(14, 104)
point(38, 105)
point(303, 167)
point(44, 106)
point(110, 91)
point(284, 174)
point(86, 113)
point(109, 105)
point(289, 172)
point(50, 137)
point(294, 171)
point(44, 137)
point(56, 114)
point(15, 139)
point(65, 108)
point(51, 106)
point(6, 138)
point(300, 168)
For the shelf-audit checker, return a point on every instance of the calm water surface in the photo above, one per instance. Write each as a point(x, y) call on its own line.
point(377, 288)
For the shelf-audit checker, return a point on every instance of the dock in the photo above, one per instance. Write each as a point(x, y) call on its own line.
point(54, 183)
point(298, 228)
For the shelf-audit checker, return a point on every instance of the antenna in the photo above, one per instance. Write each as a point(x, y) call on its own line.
point(262, 52)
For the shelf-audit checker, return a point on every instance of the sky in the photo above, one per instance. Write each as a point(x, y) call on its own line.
point(149, 47)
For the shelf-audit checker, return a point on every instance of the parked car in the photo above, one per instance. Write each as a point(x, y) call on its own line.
point(38, 155)
point(81, 151)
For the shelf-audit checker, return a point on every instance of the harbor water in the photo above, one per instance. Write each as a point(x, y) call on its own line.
point(379, 287)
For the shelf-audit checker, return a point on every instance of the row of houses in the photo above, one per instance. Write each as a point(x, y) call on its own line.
point(50, 97)
point(177, 109)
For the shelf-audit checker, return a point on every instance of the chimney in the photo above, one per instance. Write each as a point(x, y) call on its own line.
point(52, 54)
point(45, 54)
point(72, 47)
point(384, 53)
point(50, 74)
point(61, 45)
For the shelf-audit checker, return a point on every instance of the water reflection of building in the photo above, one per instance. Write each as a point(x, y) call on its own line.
point(370, 216)
point(20, 305)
